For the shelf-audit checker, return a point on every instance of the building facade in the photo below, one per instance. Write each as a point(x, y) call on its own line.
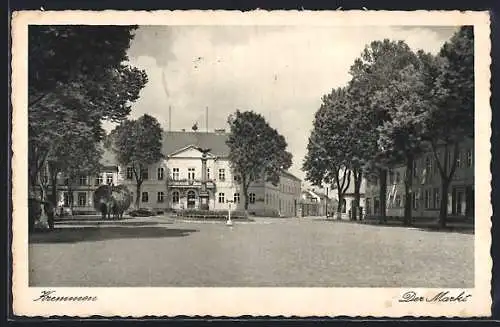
point(426, 196)
point(176, 182)
point(348, 199)
point(314, 203)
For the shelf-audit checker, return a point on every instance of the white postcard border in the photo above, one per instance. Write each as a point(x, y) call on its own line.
point(137, 302)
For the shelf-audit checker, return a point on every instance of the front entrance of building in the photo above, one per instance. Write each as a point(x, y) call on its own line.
point(191, 199)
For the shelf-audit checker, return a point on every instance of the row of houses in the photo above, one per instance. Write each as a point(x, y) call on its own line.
point(426, 189)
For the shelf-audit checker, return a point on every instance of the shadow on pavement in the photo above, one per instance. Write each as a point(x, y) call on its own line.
point(89, 218)
point(89, 234)
point(110, 223)
point(451, 228)
point(468, 229)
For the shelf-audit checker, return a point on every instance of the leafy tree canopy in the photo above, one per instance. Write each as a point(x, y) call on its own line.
point(256, 149)
point(77, 78)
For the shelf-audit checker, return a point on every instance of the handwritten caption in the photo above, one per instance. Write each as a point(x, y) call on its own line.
point(51, 296)
point(445, 296)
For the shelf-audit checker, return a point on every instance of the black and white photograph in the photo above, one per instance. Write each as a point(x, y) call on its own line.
point(241, 163)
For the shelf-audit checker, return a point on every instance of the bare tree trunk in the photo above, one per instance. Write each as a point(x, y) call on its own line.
point(358, 175)
point(443, 208)
point(446, 179)
point(138, 195)
point(408, 190)
point(340, 206)
point(383, 194)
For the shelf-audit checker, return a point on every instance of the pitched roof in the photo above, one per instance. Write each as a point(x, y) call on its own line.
point(216, 142)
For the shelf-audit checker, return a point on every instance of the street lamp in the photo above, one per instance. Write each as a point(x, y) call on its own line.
point(229, 221)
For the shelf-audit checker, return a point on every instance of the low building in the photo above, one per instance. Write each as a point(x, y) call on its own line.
point(315, 203)
point(426, 196)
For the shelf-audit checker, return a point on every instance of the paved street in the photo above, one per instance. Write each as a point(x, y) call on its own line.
point(158, 251)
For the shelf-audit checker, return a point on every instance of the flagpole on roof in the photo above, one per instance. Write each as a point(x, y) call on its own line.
point(169, 118)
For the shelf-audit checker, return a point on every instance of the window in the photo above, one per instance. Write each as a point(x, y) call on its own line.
point(469, 158)
point(376, 205)
point(251, 197)
point(82, 199)
point(427, 199)
point(191, 173)
point(83, 180)
point(415, 170)
point(428, 165)
point(145, 197)
point(221, 198)
point(415, 200)
point(397, 201)
point(236, 178)
point(130, 172)
point(222, 175)
point(109, 179)
point(161, 196)
point(68, 199)
point(161, 172)
point(368, 206)
point(208, 173)
point(436, 199)
point(236, 198)
point(144, 173)
point(98, 180)
point(459, 161)
point(175, 197)
point(398, 177)
point(175, 174)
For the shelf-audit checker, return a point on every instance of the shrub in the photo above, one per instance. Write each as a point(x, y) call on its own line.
point(210, 213)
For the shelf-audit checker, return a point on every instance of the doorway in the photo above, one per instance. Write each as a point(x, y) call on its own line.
point(191, 199)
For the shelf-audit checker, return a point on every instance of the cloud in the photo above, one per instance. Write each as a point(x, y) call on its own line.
point(280, 72)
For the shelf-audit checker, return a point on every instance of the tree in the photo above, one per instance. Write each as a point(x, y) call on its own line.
point(450, 118)
point(373, 73)
point(329, 157)
point(137, 144)
point(256, 150)
point(77, 154)
point(77, 78)
point(400, 137)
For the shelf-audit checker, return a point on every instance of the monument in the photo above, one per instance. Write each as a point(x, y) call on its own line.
point(204, 196)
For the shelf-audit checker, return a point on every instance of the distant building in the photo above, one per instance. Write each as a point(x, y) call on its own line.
point(176, 181)
point(426, 197)
point(315, 203)
point(348, 200)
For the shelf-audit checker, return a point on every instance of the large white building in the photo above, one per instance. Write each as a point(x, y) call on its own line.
point(176, 181)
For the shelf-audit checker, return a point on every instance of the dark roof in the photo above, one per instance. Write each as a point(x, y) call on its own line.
point(175, 141)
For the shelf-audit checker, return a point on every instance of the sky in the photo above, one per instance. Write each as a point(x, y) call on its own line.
point(280, 72)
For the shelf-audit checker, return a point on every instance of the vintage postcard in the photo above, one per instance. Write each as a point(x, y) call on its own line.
point(226, 163)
